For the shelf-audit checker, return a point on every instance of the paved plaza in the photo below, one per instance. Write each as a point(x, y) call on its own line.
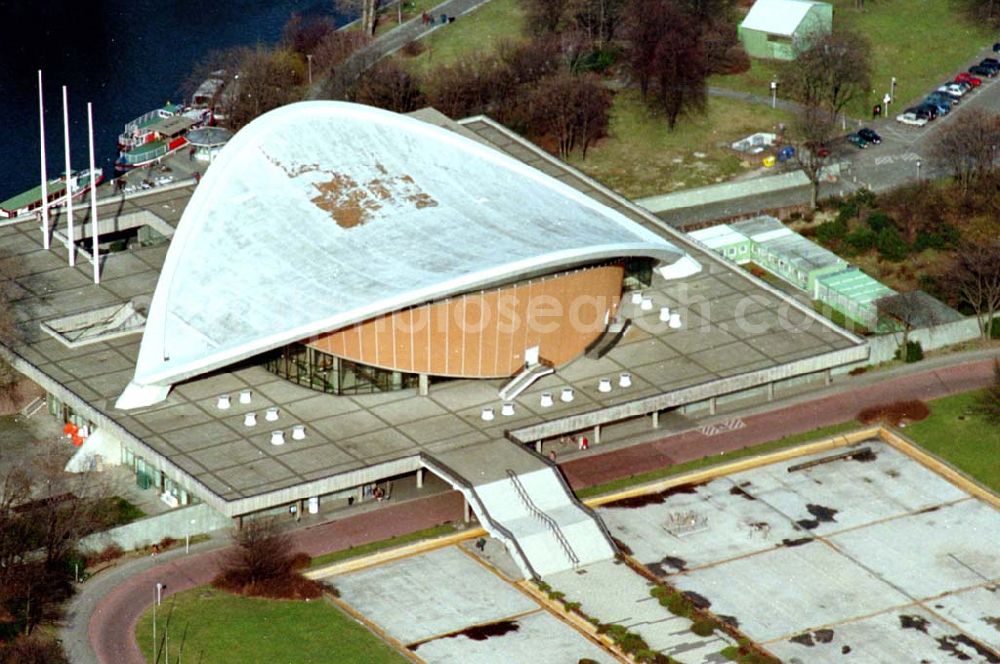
point(447, 607)
point(872, 555)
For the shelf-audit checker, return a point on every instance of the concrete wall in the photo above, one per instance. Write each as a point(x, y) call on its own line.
point(884, 347)
point(177, 523)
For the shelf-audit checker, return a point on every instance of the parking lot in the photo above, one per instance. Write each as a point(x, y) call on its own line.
point(875, 557)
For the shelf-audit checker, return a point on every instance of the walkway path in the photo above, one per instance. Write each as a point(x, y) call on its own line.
point(109, 605)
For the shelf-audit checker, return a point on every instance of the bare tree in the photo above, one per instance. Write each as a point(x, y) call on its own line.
point(572, 110)
point(645, 23)
point(812, 130)
point(388, 85)
point(910, 311)
point(545, 16)
point(303, 35)
point(680, 67)
point(988, 404)
point(831, 70)
point(598, 19)
point(975, 281)
point(366, 9)
point(982, 11)
point(263, 563)
point(266, 80)
point(968, 146)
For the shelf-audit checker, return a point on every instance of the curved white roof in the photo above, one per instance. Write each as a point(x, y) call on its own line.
point(778, 17)
point(321, 214)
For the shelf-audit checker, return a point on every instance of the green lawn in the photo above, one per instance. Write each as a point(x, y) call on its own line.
point(476, 33)
point(641, 158)
point(218, 628)
point(964, 440)
point(920, 42)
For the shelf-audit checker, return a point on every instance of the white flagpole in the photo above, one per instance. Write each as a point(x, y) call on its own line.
point(71, 240)
point(45, 183)
point(95, 251)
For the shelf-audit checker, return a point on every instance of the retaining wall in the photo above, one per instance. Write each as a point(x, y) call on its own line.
point(191, 520)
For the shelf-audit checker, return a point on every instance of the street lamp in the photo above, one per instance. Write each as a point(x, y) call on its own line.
point(309, 59)
point(919, 164)
point(774, 93)
point(892, 88)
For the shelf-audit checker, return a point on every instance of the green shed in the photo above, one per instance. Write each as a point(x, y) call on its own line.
point(777, 28)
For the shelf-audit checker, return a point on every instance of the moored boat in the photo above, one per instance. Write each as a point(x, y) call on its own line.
point(30, 200)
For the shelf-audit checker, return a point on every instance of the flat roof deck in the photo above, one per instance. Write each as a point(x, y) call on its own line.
point(737, 333)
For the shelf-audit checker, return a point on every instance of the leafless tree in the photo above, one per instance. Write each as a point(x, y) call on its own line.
point(968, 146)
point(303, 35)
point(598, 19)
point(572, 110)
point(33, 649)
point(263, 563)
point(831, 70)
point(390, 86)
point(988, 404)
point(982, 11)
point(545, 16)
point(366, 9)
point(812, 131)
point(910, 310)
point(267, 78)
point(975, 280)
point(645, 23)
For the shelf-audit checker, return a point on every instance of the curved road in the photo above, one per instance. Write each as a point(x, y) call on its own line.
point(102, 618)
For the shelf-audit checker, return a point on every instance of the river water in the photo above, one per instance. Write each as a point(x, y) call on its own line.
point(126, 57)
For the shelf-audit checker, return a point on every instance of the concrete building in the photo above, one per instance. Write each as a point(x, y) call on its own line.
point(283, 362)
point(777, 29)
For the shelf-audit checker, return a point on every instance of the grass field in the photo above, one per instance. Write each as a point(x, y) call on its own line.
point(964, 440)
point(641, 158)
point(218, 628)
point(920, 42)
point(476, 33)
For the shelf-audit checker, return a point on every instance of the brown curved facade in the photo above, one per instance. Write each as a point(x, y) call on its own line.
point(486, 334)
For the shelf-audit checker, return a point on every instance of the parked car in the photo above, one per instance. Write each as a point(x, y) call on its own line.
point(942, 104)
point(869, 135)
point(969, 78)
point(786, 153)
point(980, 70)
point(857, 141)
point(996, 47)
point(965, 85)
point(990, 63)
point(951, 93)
point(954, 89)
point(940, 96)
point(928, 111)
point(909, 117)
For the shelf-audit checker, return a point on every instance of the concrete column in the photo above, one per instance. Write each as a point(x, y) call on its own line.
point(420, 478)
point(466, 517)
point(656, 419)
point(711, 406)
point(299, 505)
point(239, 522)
point(827, 377)
point(597, 435)
point(770, 391)
point(424, 384)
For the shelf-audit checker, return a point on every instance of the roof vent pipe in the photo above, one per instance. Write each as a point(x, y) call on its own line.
point(277, 438)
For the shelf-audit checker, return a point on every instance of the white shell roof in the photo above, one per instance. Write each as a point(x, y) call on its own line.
point(321, 214)
point(777, 17)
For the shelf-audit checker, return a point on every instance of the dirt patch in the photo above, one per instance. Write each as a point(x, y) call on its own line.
point(823, 635)
point(822, 514)
point(699, 601)
point(803, 639)
point(845, 650)
point(732, 621)
point(955, 645)
point(674, 564)
point(652, 498)
point(895, 413)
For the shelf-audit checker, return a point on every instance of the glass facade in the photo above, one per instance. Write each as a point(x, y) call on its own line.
point(333, 375)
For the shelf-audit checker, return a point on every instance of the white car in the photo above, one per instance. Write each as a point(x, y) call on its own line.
point(952, 89)
point(911, 119)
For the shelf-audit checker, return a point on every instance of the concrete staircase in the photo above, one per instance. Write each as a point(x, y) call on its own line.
point(530, 509)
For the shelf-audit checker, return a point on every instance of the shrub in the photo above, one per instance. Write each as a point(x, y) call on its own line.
point(890, 245)
point(831, 231)
point(878, 220)
point(704, 627)
point(914, 352)
point(107, 554)
point(861, 240)
point(945, 236)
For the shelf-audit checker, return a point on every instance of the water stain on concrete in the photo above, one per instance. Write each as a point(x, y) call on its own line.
point(700, 601)
point(652, 498)
point(481, 632)
point(803, 639)
point(913, 622)
point(953, 645)
point(797, 542)
point(845, 650)
point(732, 621)
point(823, 635)
point(739, 491)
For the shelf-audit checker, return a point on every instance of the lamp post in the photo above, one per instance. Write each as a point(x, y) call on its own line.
point(892, 88)
point(919, 164)
point(309, 60)
point(774, 93)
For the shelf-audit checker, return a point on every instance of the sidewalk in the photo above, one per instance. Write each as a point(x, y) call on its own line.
point(101, 619)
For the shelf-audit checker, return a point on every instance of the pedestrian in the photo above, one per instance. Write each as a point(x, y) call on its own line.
point(552, 456)
point(583, 443)
point(378, 493)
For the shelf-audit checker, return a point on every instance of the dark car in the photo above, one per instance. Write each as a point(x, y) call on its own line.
point(980, 70)
point(869, 135)
point(940, 96)
point(927, 111)
point(996, 47)
point(857, 141)
point(942, 104)
point(990, 63)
